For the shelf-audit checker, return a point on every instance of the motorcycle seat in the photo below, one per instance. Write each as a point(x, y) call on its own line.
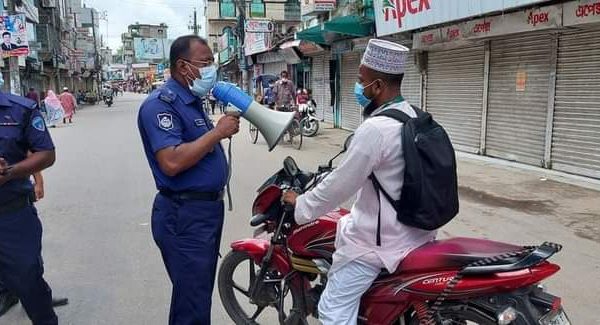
point(451, 254)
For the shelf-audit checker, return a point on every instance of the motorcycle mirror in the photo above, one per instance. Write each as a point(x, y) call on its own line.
point(345, 148)
point(290, 166)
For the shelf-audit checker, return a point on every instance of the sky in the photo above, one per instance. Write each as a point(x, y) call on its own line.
point(177, 14)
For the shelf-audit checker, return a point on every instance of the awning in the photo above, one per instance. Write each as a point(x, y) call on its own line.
point(350, 25)
point(313, 34)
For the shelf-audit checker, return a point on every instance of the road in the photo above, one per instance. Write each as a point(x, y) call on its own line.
point(99, 252)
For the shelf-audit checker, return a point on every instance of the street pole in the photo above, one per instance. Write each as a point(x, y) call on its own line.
point(240, 4)
point(13, 62)
point(95, 52)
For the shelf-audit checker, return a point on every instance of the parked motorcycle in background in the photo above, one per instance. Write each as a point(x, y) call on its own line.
point(308, 119)
point(283, 271)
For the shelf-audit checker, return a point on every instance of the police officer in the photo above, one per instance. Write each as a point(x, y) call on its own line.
point(22, 130)
point(190, 170)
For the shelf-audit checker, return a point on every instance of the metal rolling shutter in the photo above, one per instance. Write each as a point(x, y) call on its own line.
point(350, 110)
point(320, 86)
point(576, 133)
point(455, 94)
point(274, 68)
point(516, 123)
point(411, 84)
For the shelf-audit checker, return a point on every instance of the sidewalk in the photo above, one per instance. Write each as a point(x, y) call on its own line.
point(525, 205)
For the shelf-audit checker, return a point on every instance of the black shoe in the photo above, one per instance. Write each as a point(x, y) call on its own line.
point(7, 301)
point(57, 302)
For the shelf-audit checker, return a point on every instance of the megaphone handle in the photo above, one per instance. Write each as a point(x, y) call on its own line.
point(229, 164)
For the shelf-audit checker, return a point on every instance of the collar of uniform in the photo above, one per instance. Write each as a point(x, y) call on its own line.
point(184, 93)
point(4, 100)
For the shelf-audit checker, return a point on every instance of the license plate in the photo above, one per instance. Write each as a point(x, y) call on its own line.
point(556, 318)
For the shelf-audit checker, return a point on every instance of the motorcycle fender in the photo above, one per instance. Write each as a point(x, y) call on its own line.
point(257, 249)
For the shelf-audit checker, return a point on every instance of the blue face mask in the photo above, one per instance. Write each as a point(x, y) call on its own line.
point(1, 81)
point(359, 93)
point(201, 87)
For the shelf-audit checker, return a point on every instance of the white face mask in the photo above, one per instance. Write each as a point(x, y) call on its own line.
point(208, 77)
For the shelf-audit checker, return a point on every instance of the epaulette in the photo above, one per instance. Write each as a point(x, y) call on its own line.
point(166, 95)
point(22, 101)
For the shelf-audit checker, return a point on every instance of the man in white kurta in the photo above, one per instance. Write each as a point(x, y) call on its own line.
point(376, 148)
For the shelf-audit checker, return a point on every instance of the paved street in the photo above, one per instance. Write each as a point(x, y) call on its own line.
point(99, 251)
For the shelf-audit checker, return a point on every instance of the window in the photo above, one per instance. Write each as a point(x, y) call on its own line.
point(257, 8)
point(227, 9)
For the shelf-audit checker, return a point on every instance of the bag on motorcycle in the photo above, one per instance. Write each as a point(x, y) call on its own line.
point(429, 197)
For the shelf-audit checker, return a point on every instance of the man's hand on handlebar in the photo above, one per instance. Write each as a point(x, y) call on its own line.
point(289, 197)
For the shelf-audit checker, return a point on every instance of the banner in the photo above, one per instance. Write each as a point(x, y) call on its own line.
point(395, 16)
point(257, 43)
point(150, 48)
point(14, 35)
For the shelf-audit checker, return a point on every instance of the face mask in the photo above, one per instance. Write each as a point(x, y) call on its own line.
point(1, 81)
point(359, 93)
point(201, 87)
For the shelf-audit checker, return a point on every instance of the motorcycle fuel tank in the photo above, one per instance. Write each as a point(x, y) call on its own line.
point(316, 239)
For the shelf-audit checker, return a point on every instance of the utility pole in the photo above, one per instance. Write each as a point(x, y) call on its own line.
point(13, 61)
point(95, 52)
point(241, 27)
point(194, 26)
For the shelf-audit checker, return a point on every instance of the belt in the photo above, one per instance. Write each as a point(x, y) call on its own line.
point(15, 204)
point(193, 196)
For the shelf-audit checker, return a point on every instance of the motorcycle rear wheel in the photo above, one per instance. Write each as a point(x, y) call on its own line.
point(228, 287)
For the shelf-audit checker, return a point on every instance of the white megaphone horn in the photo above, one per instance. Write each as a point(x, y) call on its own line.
point(271, 124)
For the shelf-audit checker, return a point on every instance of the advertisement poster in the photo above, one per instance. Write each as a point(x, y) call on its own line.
point(150, 48)
point(14, 35)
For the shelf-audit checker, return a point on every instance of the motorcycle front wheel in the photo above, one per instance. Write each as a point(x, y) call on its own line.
point(237, 275)
point(310, 127)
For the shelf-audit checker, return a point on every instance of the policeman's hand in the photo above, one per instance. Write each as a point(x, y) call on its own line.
point(227, 126)
point(3, 166)
point(39, 191)
point(289, 197)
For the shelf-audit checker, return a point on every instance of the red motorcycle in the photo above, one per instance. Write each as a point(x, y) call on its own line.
point(452, 281)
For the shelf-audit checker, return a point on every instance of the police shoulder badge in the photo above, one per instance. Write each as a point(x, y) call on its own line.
point(165, 121)
point(38, 124)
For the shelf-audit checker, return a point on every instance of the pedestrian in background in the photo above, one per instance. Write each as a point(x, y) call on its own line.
point(190, 171)
point(54, 109)
point(284, 91)
point(69, 104)
point(33, 95)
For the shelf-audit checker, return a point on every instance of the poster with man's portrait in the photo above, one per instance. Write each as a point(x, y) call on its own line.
point(13, 29)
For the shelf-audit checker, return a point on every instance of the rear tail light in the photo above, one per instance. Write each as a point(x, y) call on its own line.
point(556, 303)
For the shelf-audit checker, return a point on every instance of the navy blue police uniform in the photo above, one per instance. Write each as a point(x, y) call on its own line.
point(22, 129)
point(188, 211)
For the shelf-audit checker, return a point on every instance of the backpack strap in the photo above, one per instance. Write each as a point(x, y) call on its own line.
point(379, 189)
point(396, 114)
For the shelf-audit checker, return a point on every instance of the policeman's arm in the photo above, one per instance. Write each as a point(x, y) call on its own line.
point(34, 163)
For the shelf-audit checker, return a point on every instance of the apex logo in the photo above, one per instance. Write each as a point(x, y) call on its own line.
point(397, 9)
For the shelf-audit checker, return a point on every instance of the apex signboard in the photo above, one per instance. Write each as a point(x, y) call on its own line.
point(396, 16)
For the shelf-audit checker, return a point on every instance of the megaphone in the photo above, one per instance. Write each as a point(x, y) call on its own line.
point(271, 124)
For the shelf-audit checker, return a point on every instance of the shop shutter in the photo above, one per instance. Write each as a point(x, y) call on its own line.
point(274, 68)
point(455, 93)
point(411, 84)
point(320, 86)
point(350, 110)
point(518, 98)
point(576, 133)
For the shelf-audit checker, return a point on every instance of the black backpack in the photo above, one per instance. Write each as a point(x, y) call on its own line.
point(429, 196)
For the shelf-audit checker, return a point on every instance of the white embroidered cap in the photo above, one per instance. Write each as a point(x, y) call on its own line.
point(385, 56)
